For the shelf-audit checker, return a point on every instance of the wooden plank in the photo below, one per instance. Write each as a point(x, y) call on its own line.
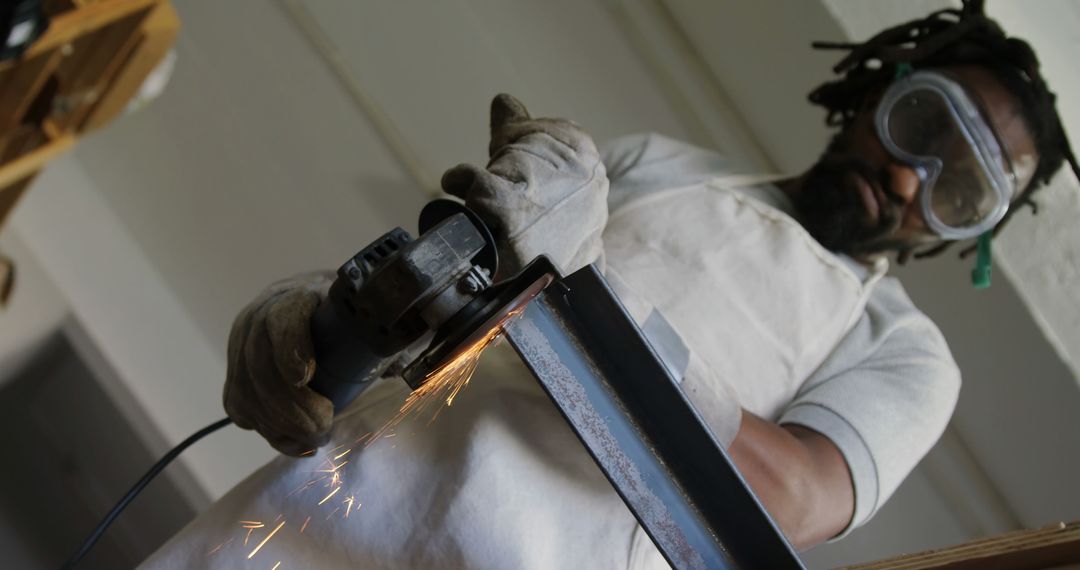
point(20, 85)
point(69, 25)
point(157, 36)
point(1056, 546)
point(31, 162)
point(104, 53)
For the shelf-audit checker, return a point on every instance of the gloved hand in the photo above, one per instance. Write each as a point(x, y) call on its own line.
point(544, 190)
point(271, 359)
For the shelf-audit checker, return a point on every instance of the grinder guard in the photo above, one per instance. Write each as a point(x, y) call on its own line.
point(395, 291)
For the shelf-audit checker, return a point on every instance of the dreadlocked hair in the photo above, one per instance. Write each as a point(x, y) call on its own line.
point(964, 36)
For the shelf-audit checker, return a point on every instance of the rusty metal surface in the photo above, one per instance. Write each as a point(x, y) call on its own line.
point(620, 400)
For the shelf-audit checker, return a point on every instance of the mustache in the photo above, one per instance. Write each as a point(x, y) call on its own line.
point(832, 208)
point(879, 179)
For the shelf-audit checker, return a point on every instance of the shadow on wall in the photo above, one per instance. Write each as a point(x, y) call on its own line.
point(69, 456)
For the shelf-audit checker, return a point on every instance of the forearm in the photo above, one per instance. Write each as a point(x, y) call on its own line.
point(799, 476)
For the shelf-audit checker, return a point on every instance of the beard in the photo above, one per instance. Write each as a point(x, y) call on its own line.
point(831, 208)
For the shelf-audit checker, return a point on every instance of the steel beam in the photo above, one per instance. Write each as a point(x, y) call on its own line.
point(631, 415)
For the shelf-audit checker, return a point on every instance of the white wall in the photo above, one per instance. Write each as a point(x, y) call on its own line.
point(153, 361)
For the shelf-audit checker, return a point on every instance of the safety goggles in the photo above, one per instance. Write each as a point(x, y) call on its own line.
point(928, 122)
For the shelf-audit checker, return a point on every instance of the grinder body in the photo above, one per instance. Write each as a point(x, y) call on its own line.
point(393, 293)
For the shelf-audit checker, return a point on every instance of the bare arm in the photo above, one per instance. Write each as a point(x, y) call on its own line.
point(799, 475)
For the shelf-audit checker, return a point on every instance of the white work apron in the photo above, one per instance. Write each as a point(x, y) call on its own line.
point(755, 298)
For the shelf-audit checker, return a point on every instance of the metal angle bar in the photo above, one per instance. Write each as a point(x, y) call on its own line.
point(631, 415)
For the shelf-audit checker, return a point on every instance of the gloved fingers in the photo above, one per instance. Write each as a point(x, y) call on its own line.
point(459, 180)
point(300, 413)
point(286, 444)
point(297, 411)
point(288, 324)
point(237, 400)
point(527, 158)
point(239, 395)
point(287, 440)
point(565, 133)
point(260, 391)
point(484, 191)
point(292, 442)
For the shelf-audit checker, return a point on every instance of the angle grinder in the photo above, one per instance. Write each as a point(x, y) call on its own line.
point(399, 292)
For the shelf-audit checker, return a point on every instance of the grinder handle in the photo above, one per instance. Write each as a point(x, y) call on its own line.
point(344, 364)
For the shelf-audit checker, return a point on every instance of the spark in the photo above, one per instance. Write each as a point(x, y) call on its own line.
point(333, 468)
point(305, 486)
point(251, 524)
point(304, 526)
point(333, 513)
point(267, 539)
point(218, 547)
point(250, 530)
point(348, 504)
point(332, 493)
point(442, 385)
point(335, 480)
point(342, 454)
point(308, 453)
point(276, 565)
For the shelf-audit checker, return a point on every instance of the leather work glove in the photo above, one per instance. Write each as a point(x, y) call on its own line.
point(270, 361)
point(544, 190)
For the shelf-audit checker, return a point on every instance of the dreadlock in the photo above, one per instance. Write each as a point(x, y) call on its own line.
point(952, 37)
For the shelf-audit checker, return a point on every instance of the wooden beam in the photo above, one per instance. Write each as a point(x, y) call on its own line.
point(21, 85)
point(31, 162)
point(68, 26)
point(157, 35)
point(1056, 546)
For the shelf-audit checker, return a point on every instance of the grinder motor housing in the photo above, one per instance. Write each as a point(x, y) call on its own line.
point(394, 292)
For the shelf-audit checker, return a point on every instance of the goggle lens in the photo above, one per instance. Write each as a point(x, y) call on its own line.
point(921, 124)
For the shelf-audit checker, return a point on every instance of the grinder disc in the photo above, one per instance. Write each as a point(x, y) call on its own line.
point(490, 310)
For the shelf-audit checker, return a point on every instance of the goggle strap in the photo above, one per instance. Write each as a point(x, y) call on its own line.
point(980, 276)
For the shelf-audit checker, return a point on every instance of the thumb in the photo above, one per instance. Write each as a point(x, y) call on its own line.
point(505, 110)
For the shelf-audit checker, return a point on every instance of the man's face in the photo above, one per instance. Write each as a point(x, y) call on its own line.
point(859, 199)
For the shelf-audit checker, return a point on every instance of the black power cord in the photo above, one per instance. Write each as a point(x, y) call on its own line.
point(138, 487)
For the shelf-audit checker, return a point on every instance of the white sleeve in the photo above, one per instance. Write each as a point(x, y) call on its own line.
point(884, 396)
point(644, 163)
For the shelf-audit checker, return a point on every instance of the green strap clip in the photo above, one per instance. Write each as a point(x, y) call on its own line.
point(980, 276)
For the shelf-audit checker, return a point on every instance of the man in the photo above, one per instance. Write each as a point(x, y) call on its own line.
point(817, 372)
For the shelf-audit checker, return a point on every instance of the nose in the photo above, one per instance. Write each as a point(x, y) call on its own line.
point(903, 182)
